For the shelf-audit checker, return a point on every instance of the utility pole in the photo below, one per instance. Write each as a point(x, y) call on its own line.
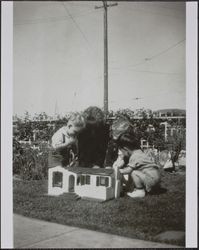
point(165, 129)
point(105, 6)
point(56, 110)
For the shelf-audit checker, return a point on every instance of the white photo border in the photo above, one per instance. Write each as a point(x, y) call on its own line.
point(6, 125)
point(191, 125)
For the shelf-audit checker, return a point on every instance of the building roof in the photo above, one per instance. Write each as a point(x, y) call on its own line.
point(94, 171)
point(171, 110)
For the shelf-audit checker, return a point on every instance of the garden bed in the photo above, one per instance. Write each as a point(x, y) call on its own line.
point(141, 218)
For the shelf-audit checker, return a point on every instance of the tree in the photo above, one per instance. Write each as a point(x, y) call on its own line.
point(27, 116)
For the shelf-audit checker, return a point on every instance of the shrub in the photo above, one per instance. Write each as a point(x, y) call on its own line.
point(29, 162)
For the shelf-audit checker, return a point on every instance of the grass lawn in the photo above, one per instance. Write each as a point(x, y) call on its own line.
point(142, 219)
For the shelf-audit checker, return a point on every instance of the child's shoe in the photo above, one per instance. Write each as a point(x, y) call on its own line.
point(137, 193)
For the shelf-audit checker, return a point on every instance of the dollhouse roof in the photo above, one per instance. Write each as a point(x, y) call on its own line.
point(92, 171)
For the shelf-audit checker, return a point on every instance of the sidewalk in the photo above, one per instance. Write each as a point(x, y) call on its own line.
point(32, 233)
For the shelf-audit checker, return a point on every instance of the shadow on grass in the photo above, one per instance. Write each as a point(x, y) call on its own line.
point(158, 190)
point(155, 191)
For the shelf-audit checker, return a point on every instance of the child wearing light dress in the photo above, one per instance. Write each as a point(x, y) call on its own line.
point(142, 170)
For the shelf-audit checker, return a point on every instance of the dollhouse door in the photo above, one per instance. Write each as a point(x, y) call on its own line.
point(71, 183)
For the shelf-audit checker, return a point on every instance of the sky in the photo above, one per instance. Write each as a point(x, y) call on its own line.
point(58, 56)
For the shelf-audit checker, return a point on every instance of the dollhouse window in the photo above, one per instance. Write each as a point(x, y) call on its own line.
point(102, 181)
point(57, 179)
point(82, 180)
point(85, 179)
point(88, 179)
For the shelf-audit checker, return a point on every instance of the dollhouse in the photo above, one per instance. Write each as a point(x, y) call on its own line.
point(100, 183)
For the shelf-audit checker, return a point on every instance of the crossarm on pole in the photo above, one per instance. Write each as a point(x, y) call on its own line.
point(108, 5)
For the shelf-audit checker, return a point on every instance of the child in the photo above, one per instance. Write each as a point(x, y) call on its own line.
point(64, 141)
point(118, 127)
point(142, 170)
point(94, 139)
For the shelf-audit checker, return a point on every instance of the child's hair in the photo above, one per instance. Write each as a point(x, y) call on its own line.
point(78, 120)
point(128, 140)
point(120, 126)
point(94, 115)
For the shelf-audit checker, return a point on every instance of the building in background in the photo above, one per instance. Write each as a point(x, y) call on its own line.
point(170, 113)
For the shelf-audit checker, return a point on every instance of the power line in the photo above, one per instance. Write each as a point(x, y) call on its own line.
point(81, 3)
point(89, 47)
point(152, 57)
point(164, 51)
point(88, 4)
point(152, 72)
point(144, 97)
point(50, 19)
point(141, 71)
point(164, 7)
point(42, 20)
point(76, 24)
point(154, 13)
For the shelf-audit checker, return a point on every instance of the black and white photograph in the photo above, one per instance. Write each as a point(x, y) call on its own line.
point(99, 124)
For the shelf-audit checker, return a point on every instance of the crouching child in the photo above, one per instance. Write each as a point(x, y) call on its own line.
point(142, 171)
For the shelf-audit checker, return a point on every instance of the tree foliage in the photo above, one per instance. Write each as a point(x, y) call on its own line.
point(31, 161)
